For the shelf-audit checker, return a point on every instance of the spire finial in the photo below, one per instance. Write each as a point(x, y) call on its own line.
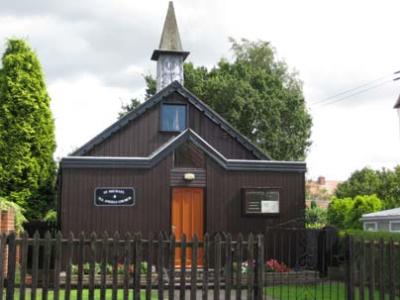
point(170, 39)
point(169, 55)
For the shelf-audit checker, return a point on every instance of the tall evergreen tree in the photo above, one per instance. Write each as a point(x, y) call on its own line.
point(27, 141)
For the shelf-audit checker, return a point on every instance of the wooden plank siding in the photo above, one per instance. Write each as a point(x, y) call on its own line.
point(149, 214)
point(142, 136)
point(178, 180)
point(139, 138)
point(152, 212)
point(223, 207)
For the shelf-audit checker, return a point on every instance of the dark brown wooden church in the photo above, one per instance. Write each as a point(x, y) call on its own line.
point(175, 165)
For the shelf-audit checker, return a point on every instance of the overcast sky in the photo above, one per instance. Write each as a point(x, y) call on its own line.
point(95, 53)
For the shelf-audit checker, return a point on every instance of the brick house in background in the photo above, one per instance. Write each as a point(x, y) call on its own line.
point(320, 191)
point(7, 225)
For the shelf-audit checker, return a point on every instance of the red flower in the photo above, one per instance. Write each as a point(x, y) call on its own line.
point(276, 266)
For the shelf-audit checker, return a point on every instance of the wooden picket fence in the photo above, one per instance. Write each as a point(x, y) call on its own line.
point(280, 264)
point(58, 253)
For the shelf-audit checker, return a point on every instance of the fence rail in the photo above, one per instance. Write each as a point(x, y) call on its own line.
point(279, 264)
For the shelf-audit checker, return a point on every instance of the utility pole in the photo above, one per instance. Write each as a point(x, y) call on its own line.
point(397, 105)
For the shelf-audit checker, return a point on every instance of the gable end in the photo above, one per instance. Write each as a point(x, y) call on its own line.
point(157, 98)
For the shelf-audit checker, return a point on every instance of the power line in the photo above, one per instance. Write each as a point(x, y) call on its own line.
point(356, 93)
point(355, 88)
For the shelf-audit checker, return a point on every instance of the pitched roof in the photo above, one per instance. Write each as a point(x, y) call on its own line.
point(170, 39)
point(154, 100)
point(383, 214)
point(170, 146)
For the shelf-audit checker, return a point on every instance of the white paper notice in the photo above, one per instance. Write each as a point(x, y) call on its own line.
point(270, 206)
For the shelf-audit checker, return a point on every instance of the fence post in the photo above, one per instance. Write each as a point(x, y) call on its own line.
point(217, 265)
point(391, 264)
point(160, 266)
point(239, 258)
point(228, 266)
point(349, 268)
point(259, 268)
point(24, 262)
point(46, 265)
point(251, 266)
point(171, 267)
point(206, 261)
point(137, 265)
point(11, 267)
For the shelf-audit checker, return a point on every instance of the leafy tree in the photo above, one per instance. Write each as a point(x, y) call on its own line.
point(362, 182)
point(389, 189)
point(338, 210)
point(362, 205)
point(258, 95)
point(150, 90)
point(129, 107)
point(345, 213)
point(27, 141)
point(384, 183)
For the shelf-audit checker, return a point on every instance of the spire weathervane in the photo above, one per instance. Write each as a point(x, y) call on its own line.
point(170, 55)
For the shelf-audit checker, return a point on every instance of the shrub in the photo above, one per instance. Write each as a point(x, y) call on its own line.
point(316, 217)
point(371, 235)
point(362, 205)
point(109, 268)
point(338, 210)
point(384, 183)
point(346, 213)
point(51, 217)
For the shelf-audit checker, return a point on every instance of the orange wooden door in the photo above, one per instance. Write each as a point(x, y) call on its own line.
point(187, 218)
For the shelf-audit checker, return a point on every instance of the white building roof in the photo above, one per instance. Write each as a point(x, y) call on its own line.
point(383, 214)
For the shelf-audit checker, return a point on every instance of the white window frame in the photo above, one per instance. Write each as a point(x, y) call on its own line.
point(390, 225)
point(371, 222)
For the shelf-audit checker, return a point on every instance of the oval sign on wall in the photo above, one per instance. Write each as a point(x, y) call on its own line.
point(114, 196)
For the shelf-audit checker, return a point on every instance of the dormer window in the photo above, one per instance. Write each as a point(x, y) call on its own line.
point(173, 117)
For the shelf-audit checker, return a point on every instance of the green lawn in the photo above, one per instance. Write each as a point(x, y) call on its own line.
point(85, 294)
point(324, 291)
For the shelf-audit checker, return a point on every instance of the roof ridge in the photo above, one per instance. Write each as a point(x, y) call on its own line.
point(156, 98)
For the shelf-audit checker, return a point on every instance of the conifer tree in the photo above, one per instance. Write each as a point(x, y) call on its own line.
point(27, 141)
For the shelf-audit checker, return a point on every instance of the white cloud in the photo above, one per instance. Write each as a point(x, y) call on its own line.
point(82, 108)
point(94, 53)
point(349, 139)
